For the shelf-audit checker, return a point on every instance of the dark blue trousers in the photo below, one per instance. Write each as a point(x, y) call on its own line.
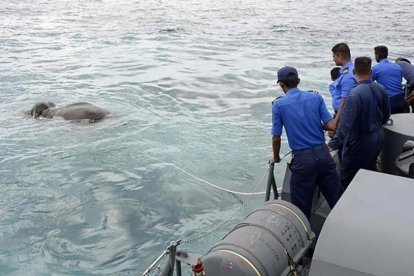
point(398, 104)
point(360, 152)
point(311, 168)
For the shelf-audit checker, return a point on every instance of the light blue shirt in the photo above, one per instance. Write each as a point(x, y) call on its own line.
point(408, 71)
point(389, 75)
point(343, 84)
point(332, 86)
point(302, 114)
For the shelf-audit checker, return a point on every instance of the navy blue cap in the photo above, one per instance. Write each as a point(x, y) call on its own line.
point(287, 73)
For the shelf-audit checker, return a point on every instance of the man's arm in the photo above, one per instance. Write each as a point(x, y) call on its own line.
point(410, 99)
point(345, 126)
point(348, 82)
point(276, 148)
point(386, 107)
point(326, 117)
point(330, 126)
point(276, 132)
point(339, 113)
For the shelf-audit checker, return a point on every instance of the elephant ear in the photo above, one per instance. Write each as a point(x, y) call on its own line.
point(38, 108)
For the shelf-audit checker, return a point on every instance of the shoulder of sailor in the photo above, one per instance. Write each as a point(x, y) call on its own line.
point(277, 98)
point(314, 94)
point(346, 75)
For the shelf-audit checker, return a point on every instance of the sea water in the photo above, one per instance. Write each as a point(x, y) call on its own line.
point(189, 84)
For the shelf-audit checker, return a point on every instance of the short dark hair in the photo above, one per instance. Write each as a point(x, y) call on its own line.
point(402, 59)
point(291, 82)
point(381, 51)
point(362, 65)
point(342, 49)
point(335, 73)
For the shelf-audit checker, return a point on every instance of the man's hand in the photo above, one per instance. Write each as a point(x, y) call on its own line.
point(274, 160)
point(276, 149)
point(331, 134)
point(331, 149)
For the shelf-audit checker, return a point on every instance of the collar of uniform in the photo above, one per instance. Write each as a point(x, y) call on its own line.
point(383, 60)
point(346, 66)
point(292, 91)
point(365, 81)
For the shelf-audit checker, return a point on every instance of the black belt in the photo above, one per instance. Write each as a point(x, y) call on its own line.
point(309, 150)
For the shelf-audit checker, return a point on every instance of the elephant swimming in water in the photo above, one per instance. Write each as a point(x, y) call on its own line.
point(76, 111)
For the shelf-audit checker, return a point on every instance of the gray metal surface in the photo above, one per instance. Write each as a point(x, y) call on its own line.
point(396, 133)
point(370, 231)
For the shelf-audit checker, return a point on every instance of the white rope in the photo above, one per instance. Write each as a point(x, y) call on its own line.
point(213, 185)
point(216, 227)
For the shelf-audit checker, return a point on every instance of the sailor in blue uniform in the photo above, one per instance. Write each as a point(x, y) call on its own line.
point(407, 70)
point(341, 55)
point(390, 76)
point(359, 132)
point(408, 74)
point(304, 116)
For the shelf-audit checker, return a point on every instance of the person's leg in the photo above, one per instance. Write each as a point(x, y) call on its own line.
point(371, 146)
point(351, 161)
point(398, 104)
point(328, 179)
point(360, 153)
point(303, 182)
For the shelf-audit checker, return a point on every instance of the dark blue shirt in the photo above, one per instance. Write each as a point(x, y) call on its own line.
point(343, 84)
point(366, 110)
point(408, 71)
point(389, 75)
point(302, 114)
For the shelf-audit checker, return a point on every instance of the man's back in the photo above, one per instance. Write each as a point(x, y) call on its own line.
point(302, 114)
point(389, 75)
point(368, 107)
point(366, 110)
